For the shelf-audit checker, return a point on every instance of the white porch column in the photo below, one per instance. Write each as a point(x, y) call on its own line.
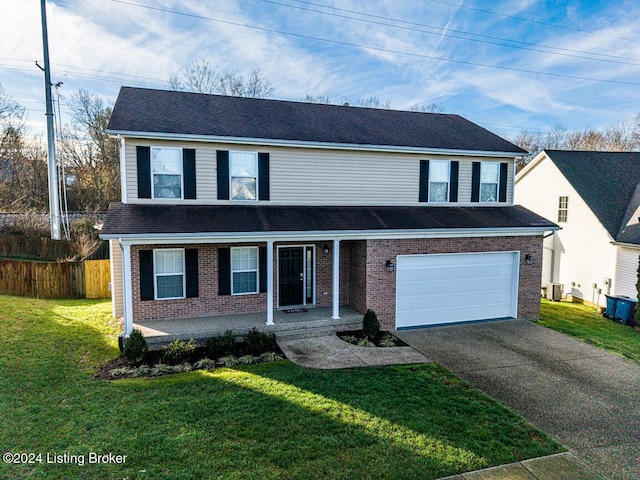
point(127, 298)
point(270, 282)
point(335, 291)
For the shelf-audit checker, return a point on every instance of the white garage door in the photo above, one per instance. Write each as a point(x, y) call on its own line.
point(437, 289)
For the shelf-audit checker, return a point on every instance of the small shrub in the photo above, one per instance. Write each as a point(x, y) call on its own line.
point(142, 371)
point(135, 347)
point(205, 364)
point(228, 361)
point(370, 324)
point(161, 369)
point(182, 368)
point(351, 339)
point(258, 343)
point(178, 351)
point(247, 359)
point(120, 372)
point(387, 341)
point(365, 342)
point(221, 345)
point(269, 357)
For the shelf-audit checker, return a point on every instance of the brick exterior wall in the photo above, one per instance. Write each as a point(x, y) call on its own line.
point(358, 275)
point(209, 303)
point(381, 285)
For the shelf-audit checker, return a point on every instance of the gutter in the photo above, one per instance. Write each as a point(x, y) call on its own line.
point(310, 144)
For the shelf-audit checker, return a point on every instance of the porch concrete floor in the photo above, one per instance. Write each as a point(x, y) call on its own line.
point(163, 331)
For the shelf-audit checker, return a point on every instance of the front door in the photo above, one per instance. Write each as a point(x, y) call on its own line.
point(291, 270)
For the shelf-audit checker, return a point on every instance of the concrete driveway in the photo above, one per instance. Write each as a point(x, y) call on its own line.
point(586, 398)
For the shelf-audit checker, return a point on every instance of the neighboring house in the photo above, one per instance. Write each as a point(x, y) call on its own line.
point(238, 205)
point(595, 198)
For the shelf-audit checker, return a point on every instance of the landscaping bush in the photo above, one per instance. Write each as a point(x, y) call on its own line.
point(178, 352)
point(257, 343)
point(370, 324)
point(135, 347)
point(221, 345)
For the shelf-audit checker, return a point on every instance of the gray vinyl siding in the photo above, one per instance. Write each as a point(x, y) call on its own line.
point(307, 176)
point(626, 276)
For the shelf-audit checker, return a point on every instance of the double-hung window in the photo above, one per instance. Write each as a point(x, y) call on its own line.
point(166, 172)
point(439, 176)
point(244, 270)
point(489, 181)
point(563, 208)
point(169, 273)
point(244, 175)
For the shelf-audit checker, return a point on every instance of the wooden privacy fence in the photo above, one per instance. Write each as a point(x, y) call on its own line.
point(86, 279)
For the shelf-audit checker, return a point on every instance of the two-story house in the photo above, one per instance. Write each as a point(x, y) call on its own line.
point(240, 205)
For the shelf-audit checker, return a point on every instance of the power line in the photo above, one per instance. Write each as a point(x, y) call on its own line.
point(538, 22)
point(444, 32)
point(378, 49)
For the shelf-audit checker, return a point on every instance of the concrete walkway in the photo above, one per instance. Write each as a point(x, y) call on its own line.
point(562, 466)
point(329, 352)
point(584, 397)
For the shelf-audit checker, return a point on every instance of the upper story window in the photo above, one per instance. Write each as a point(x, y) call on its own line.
point(489, 180)
point(563, 209)
point(169, 273)
point(439, 176)
point(244, 175)
point(166, 171)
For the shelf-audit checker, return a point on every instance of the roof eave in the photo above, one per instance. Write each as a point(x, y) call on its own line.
point(310, 144)
point(217, 237)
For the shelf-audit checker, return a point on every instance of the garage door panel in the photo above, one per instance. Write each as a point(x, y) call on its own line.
point(446, 288)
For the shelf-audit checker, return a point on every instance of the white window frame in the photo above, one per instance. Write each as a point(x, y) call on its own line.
point(432, 162)
point(563, 211)
point(256, 270)
point(156, 275)
point(496, 183)
point(153, 190)
point(231, 176)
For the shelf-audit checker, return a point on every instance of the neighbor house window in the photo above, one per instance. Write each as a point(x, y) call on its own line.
point(244, 175)
point(166, 171)
point(563, 209)
point(439, 181)
point(244, 270)
point(169, 273)
point(489, 181)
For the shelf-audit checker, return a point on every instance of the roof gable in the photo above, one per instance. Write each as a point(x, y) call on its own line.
point(139, 110)
point(608, 183)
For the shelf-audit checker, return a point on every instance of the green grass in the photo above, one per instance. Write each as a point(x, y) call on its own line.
point(589, 326)
point(268, 421)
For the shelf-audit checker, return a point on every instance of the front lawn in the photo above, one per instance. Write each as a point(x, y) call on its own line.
point(589, 326)
point(267, 421)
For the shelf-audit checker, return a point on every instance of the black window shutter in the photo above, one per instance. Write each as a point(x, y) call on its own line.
point(453, 181)
point(262, 256)
point(263, 176)
point(504, 169)
point(423, 195)
point(146, 274)
point(223, 174)
point(224, 271)
point(475, 182)
point(191, 272)
point(189, 172)
point(143, 155)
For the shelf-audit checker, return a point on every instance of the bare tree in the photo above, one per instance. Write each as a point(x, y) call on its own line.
point(317, 99)
point(90, 154)
point(427, 108)
point(201, 77)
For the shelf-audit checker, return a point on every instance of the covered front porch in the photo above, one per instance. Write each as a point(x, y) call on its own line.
point(160, 332)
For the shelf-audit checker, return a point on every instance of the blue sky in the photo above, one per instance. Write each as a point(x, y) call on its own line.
point(506, 65)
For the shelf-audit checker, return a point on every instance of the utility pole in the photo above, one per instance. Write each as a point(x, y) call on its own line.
point(54, 200)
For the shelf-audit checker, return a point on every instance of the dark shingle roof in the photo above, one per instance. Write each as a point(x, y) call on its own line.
point(607, 182)
point(182, 113)
point(141, 219)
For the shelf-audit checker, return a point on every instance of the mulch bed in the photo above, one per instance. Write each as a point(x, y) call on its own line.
point(376, 340)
